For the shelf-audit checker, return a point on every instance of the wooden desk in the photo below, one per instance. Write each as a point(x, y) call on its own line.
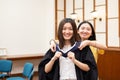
point(23, 56)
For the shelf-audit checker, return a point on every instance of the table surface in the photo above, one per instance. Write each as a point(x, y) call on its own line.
point(22, 56)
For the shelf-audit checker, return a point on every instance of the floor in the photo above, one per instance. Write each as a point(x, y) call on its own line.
point(35, 77)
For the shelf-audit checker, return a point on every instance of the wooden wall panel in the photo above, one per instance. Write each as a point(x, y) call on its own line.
point(109, 65)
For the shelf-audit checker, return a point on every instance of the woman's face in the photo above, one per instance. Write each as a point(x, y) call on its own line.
point(85, 31)
point(67, 31)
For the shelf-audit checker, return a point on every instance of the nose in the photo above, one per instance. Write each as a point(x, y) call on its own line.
point(67, 30)
point(84, 30)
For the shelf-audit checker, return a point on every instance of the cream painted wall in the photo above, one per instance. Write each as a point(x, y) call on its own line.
point(26, 26)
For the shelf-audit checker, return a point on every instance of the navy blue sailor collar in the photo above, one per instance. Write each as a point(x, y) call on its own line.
point(73, 48)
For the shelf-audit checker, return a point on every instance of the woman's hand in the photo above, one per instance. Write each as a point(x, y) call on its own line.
point(52, 46)
point(81, 65)
point(57, 55)
point(71, 55)
point(49, 65)
point(84, 44)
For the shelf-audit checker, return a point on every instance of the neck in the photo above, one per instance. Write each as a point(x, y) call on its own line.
point(83, 39)
point(67, 43)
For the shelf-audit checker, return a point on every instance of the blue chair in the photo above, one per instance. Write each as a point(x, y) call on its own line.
point(31, 75)
point(5, 68)
point(27, 73)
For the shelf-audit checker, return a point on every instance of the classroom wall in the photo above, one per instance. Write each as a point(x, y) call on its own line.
point(108, 65)
point(26, 26)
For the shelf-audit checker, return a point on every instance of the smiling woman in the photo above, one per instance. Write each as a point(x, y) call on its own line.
point(67, 31)
point(80, 64)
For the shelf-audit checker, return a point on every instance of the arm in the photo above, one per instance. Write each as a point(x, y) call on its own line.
point(49, 65)
point(92, 43)
point(81, 65)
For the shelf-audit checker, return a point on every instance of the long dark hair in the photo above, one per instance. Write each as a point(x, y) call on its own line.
point(60, 36)
point(93, 36)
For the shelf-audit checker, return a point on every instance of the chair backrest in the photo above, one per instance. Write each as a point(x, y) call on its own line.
point(6, 65)
point(31, 75)
point(28, 68)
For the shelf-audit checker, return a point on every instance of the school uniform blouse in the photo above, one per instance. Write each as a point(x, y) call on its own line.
point(67, 67)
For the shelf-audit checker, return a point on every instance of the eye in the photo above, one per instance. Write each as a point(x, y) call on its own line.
point(64, 28)
point(89, 29)
point(70, 28)
point(82, 28)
